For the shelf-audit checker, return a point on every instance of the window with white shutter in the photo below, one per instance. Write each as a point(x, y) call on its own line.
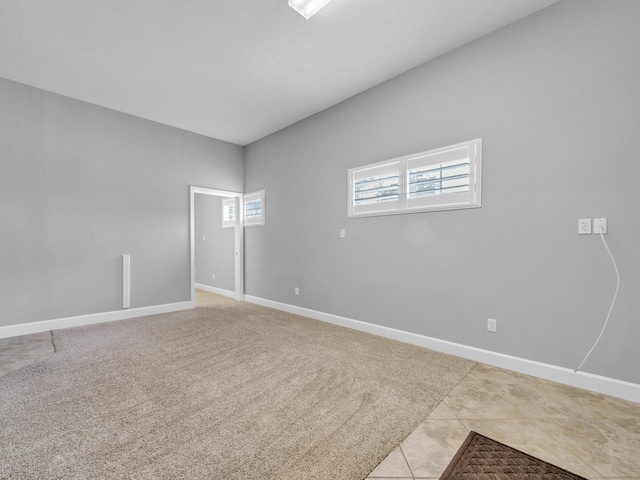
point(254, 209)
point(440, 179)
point(375, 188)
point(228, 213)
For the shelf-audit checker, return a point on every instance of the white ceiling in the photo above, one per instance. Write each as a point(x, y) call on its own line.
point(236, 70)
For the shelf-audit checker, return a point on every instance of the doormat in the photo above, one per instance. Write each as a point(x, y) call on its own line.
point(480, 458)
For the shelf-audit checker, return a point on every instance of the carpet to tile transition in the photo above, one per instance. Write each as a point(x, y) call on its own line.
point(234, 391)
point(482, 458)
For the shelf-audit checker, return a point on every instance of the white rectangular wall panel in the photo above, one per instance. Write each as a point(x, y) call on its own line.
point(126, 281)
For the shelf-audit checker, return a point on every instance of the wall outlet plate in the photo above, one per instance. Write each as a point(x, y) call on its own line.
point(584, 226)
point(492, 325)
point(599, 224)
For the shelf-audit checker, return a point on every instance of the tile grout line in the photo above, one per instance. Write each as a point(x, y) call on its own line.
point(569, 449)
point(407, 461)
point(535, 420)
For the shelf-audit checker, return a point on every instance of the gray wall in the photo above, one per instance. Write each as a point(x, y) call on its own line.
point(555, 98)
point(215, 254)
point(81, 185)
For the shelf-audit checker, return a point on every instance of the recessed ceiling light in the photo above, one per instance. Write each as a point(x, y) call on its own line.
point(307, 8)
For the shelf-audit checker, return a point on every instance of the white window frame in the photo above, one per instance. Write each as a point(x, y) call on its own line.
point(408, 202)
point(231, 221)
point(258, 220)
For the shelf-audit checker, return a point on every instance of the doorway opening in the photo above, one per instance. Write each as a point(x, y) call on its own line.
point(237, 251)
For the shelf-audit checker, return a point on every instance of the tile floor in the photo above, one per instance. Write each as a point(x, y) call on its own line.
point(593, 435)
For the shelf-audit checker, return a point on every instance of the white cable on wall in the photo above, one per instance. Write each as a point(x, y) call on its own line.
point(612, 303)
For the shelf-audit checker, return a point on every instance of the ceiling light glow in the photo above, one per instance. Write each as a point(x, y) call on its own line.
point(307, 8)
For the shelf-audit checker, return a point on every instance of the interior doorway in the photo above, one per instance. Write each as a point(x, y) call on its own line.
point(213, 199)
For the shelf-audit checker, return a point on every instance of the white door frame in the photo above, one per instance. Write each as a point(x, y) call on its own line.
point(239, 239)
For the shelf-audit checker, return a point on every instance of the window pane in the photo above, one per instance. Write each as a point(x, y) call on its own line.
point(438, 179)
point(229, 213)
point(381, 188)
point(375, 188)
point(253, 208)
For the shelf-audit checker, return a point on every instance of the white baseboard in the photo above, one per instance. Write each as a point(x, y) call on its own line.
point(55, 324)
point(219, 291)
point(587, 381)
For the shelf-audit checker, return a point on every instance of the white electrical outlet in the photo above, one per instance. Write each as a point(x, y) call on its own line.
point(213, 276)
point(296, 291)
point(584, 226)
point(492, 325)
point(599, 224)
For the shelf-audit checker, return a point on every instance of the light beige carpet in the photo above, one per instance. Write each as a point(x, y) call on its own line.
point(232, 391)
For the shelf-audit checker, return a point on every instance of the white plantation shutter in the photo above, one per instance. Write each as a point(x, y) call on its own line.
point(375, 188)
point(441, 179)
point(228, 213)
point(254, 209)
